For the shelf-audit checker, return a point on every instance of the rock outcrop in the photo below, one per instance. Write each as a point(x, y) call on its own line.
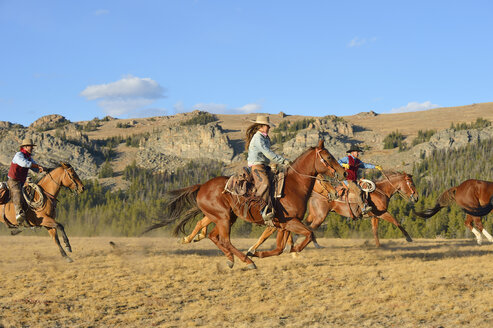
point(173, 146)
point(49, 122)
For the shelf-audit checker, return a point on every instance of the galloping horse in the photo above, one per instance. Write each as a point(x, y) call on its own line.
point(223, 208)
point(44, 215)
point(319, 206)
point(475, 197)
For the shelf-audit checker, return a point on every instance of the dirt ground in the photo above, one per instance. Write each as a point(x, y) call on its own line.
point(155, 282)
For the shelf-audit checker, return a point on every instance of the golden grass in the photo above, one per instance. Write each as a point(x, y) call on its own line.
point(145, 282)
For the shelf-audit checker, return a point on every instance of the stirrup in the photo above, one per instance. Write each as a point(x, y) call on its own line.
point(267, 217)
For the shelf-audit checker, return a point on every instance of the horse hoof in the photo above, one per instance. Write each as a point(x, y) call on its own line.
point(230, 264)
point(69, 249)
point(409, 239)
point(183, 241)
point(15, 232)
point(317, 246)
point(69, 260)
point(251, 266)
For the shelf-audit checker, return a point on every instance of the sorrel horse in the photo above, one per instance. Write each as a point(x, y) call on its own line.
point(223, 208)
point(319, 206)
point(44, 214)
point(475, 197)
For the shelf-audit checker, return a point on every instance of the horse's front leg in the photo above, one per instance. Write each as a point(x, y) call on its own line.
point(266, 234)
point(389, 218)
point(374, 227)
point(282, 237)
point(295, 226)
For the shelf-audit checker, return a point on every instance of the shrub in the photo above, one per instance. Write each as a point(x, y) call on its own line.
point(393, 140)
point(423, 136)
point(202, 118)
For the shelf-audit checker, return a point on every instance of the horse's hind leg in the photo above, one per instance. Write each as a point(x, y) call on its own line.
point(64, 236)
point(468, 223)
point(374, 227)
point(389, 218)
point(282, 237)
point(202, 224)
point(479, 224)
point(53, 233)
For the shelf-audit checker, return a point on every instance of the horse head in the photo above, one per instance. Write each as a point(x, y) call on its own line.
point(327, 164)
point(70, 178)
point(404, 184)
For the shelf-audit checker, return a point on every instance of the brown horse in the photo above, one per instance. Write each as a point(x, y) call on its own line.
point(475, 197)
point(319, 206)
point(44, 214)
point(223, 208)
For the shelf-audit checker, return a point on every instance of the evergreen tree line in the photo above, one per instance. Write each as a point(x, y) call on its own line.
point(100, 211)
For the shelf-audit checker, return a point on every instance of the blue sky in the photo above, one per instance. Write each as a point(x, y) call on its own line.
point(86, 59)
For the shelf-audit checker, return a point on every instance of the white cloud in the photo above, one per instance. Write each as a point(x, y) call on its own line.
point(100, 12)
point(414, 107)
point(124, 96)
point(358, 42)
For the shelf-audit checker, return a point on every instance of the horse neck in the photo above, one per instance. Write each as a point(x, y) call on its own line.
point(302, 172)
point(51, 183)
point(388, 186)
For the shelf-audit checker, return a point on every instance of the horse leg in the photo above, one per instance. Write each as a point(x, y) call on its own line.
point(52, 225)
point(53, 233)
point(64, 236)
point(318, 208)
point(201, 225)
point(479, 224)
point(389, 218)
point(468, 223)
point(222, 240)
point(374, 227)
point(266, 234)
point(201, 235)
point(282, 236)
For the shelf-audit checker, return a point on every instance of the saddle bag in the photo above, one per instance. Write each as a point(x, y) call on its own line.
point(4, 193)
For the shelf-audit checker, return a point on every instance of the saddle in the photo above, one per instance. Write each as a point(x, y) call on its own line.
point(241, 183)
point(4, 193)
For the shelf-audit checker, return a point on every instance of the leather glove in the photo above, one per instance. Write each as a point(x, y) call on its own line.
point(378, 167)
point(346, 166)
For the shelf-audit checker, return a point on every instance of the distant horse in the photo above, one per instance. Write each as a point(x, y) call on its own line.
point(475, 197)
point(222, 208)
point(319, 206)
point(44, 214)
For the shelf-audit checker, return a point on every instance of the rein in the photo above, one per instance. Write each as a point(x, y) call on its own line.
point(324, 161)
point(403, 195)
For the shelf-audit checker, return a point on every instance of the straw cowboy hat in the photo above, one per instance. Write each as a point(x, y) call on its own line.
point(27, 142)
point(263, 119)
point(354, 148)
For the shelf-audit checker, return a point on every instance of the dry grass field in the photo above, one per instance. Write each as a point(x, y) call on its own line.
point(155, 282)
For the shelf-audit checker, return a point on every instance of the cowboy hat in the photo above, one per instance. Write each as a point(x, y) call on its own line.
point(27, 142)
point(354, 148)
point(263, 119)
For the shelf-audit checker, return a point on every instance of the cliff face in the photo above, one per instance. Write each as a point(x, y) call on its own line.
point(175, 145)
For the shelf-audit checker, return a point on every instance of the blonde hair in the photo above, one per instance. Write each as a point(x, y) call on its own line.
point(252, 129)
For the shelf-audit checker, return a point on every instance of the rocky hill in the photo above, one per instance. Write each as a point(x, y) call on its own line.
point(167, 142)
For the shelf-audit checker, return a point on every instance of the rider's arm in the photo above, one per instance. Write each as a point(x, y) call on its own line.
point(343, 160)
point(20, 160)
point(264, 146)
point(366, 166)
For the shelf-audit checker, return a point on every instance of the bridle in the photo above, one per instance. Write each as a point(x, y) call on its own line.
point(324, 162)
point(408, 182)
point(65, 172)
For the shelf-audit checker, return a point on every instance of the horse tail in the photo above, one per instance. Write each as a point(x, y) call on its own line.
point(445, 199)
point(181, 204)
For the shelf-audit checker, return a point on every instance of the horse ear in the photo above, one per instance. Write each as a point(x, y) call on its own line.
point(320, 144)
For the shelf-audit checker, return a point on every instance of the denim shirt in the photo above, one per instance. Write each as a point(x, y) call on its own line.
point(259, 151)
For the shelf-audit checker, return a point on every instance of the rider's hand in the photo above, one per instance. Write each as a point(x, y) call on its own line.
point(378, 167)
point(287, 162)
point(346, 166)
point(41, 169)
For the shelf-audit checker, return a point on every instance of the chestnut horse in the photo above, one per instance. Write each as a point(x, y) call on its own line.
point(44, 215)
point(320, 206)
point(475, 197)
point(222, 208)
